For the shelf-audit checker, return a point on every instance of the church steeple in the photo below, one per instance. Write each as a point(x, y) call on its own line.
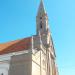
point(42, 23)
point(41, 9)
point(41, 19)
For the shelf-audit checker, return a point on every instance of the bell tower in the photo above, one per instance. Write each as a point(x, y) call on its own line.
point(41, 19)
point(42, 24)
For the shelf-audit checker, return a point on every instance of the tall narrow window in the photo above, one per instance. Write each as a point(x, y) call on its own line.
point(41, 25)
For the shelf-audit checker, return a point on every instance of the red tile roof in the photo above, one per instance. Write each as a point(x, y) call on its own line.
point(15, 46)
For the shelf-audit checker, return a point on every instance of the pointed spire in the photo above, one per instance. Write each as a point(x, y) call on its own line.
point(41, 9)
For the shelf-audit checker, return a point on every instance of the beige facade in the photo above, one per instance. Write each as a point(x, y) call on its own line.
point(20, 64)
point(39, 63)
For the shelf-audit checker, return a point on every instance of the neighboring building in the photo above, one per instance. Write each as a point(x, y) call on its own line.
point(34, 55)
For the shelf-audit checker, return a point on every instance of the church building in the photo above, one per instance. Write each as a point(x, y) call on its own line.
point(33, 55)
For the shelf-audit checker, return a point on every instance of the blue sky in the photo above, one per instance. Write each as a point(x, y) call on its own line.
point(18, 20)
